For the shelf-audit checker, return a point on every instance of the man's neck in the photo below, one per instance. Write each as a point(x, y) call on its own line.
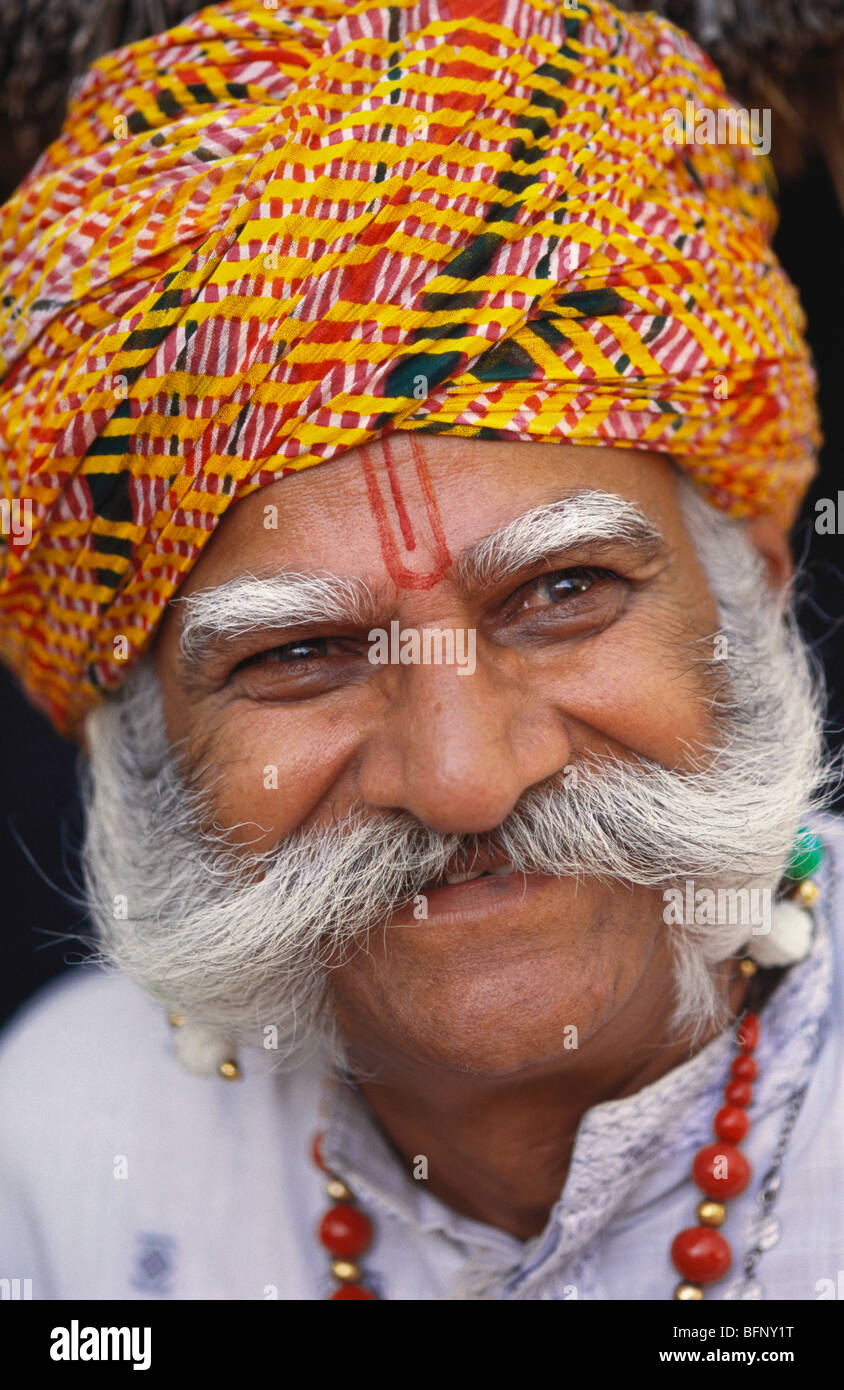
point(498, 1149)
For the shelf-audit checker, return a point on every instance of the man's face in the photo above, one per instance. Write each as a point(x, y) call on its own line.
point(591, 650)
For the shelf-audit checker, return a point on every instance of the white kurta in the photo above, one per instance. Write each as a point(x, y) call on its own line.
point(121, 1176)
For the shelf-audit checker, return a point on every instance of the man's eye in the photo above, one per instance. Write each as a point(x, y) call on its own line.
point(560, 585)
point(300, 651)
point(306, 649)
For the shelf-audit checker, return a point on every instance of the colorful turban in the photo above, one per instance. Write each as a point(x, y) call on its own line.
point(271, 234)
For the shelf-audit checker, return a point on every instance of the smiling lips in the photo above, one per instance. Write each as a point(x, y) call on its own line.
point(492, 890)
point(492, 868)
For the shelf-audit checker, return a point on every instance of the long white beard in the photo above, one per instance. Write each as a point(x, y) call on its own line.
point(239, 942)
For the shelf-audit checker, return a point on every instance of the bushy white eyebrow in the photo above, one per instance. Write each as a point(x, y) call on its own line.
point(254, 603)
point(581, 518)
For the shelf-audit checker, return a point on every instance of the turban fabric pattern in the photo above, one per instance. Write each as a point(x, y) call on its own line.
point(270, 235)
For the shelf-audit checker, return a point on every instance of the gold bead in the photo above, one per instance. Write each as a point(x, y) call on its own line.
point(688, 1291)
point(177, 1020)
point(230, 1070)
point(806, 893)
point(711, 1213)
point(748, 967)
point(337, 1190)
point(346, 1271)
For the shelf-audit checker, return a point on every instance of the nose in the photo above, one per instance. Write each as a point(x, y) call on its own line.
point(458, 751)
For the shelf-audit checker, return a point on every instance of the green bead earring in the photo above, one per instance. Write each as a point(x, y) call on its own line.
point(806, 855)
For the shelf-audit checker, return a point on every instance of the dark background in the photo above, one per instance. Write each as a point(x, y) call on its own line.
point(40, 820)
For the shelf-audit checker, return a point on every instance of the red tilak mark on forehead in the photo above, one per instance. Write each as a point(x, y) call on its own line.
point(428, 523)
point(405, 524)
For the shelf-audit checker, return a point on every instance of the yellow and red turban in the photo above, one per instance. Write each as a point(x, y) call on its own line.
point(270, 234)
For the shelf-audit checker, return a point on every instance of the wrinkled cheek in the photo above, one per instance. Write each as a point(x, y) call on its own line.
point(641, 694)
point(265, 777)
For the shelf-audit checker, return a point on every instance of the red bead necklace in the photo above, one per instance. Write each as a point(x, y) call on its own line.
point(700, 1253)
point(345, 1231)
point(721, 1171)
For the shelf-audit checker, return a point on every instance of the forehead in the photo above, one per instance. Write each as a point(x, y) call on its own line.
point(404, 506)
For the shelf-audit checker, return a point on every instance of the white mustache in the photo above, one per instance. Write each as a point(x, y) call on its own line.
point(635, 822)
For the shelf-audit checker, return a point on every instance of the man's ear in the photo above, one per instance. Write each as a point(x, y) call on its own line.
point(773, 545)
